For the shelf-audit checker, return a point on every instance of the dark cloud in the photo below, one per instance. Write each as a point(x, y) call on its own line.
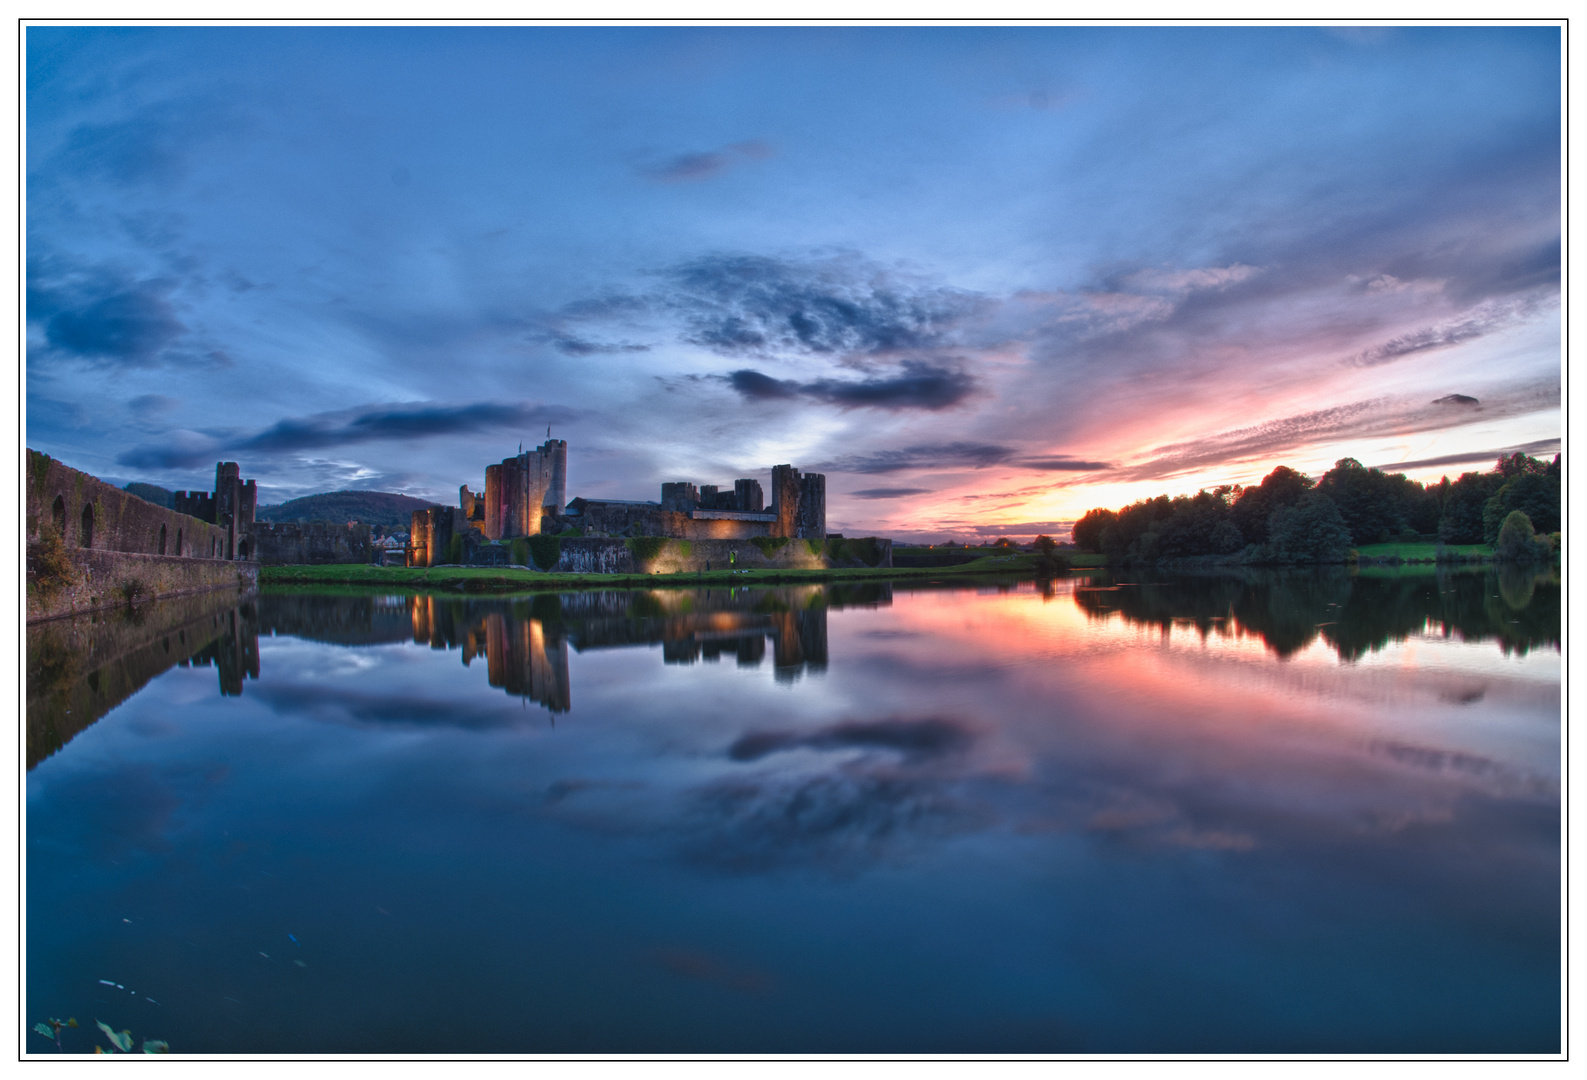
point(952, 455)
point(401, 422)
point(1543, 448)
point(1456, 399)
point(1062, 464)
point(888, 493)
point(914, 739)
point(346, 428)
point(704, 164)
point(921, 385)
point(753, 305)
point(103, 316)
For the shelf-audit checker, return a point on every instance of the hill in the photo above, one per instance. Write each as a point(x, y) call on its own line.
point(370, 507)
point(154, 493)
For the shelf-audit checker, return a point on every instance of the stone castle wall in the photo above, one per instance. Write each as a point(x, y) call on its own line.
point(312, 543)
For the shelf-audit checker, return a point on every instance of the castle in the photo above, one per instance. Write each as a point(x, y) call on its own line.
point(526, 496)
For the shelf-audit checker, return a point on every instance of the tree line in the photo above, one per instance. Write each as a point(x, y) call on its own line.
point(1291, 518)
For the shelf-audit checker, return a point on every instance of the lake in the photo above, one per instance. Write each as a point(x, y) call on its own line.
point(1258, 813)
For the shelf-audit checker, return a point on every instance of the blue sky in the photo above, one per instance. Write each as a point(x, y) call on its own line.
point(982, 277)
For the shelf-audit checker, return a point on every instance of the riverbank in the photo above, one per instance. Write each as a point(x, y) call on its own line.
point(478, 579)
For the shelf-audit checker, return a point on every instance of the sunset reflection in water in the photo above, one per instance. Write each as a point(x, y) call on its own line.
point(1305, 813)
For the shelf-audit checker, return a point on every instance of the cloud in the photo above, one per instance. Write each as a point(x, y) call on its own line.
point(952, 455)
point(1371, 418)
point(1484, 319)
point(888, 493)
point(921, 385)
point(179, 449)
point(185, 449)
point(147, 406)
point(704, 164)
point(401, 422)
point(1456, 399)
point(103, 316)
point(1542, 447)
point(753, 305)
point(913, 739)
point(1062, 463)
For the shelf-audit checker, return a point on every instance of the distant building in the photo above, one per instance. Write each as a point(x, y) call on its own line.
point(524, 496)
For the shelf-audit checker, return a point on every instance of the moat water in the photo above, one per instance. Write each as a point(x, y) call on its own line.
point(1266, 813)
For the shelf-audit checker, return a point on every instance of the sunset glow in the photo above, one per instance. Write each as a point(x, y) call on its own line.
point(983, 278)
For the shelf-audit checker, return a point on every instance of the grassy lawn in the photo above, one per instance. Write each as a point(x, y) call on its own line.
point(495, 579)
point(1423, 550)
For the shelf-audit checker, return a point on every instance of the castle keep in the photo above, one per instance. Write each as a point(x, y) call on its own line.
point(526, 496)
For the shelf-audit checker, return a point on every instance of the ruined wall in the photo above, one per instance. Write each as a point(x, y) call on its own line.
point(105, 580)
point(430, 535)
point(289, 543)
point(117, 520)
point(602, 555)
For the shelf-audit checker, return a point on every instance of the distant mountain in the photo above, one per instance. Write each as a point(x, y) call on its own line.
point(159, 496)
point(370, 507)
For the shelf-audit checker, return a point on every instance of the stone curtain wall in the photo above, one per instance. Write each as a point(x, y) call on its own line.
point(120, 521)
point(312, 543)
point(122, 563)
point(599, 555)
point(107, 580)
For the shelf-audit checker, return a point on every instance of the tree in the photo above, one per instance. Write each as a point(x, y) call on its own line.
point(1517, 541)
point(1003, 543)
point(1374, 505)
point(1255, 505)
point(1311, 531)
point(1088, 530)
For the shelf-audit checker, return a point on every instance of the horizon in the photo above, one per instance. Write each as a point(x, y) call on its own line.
point(984, 278)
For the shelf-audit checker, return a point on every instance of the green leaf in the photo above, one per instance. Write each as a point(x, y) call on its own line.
point(156, 1046)
point(44, 1029)
point(72, 1022)
point(121, 1040)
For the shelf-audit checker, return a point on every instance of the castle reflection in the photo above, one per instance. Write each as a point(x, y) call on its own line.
point(79, 669)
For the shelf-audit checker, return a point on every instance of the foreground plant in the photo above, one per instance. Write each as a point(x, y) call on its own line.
point(120, 1040)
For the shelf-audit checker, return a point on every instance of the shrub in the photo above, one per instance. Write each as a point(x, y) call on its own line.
point(454, 550)
point(133, 590)
point(546, 550)
point(50, 565)
point(769, 545)
point(1517, 540)
point(520, 551)
point(646, 548)
point(817, 546)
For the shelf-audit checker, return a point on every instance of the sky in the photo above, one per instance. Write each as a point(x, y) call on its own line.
point(983, 278)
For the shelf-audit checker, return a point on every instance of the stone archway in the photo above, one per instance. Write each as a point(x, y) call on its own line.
point(179, 541)
point(242, 549)
point(85, 536)
point(162, 539)
point(58, 513)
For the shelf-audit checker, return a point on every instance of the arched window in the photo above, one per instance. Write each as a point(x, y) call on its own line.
point(85, 538)
point(213, 548)
point(59, 514)
point(162, 539)
point(179, 541)
point(242, 550)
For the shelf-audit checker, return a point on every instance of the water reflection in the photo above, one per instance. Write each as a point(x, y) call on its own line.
point(79, 669)
point(1107, 821)
point(1354, 613)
